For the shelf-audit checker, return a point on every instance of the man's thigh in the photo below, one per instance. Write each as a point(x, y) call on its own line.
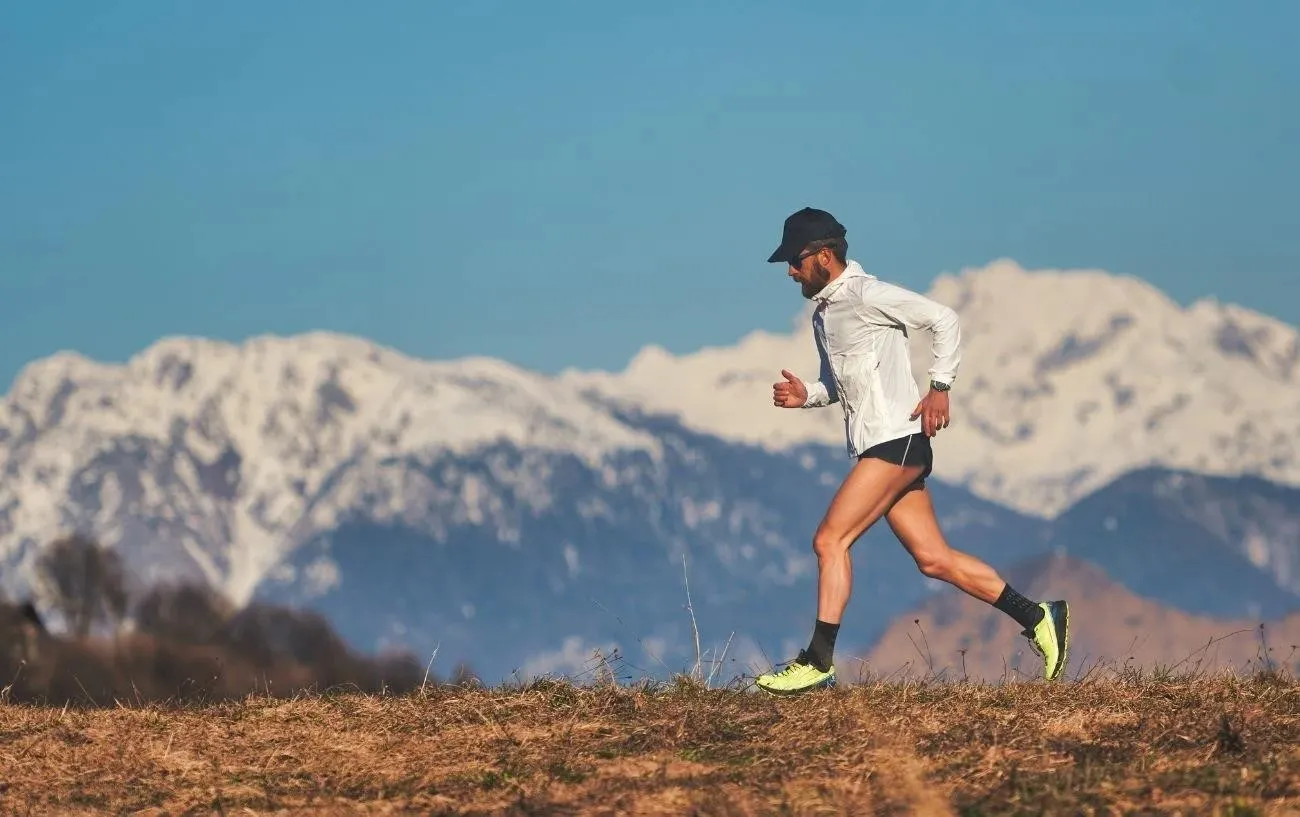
point(866, 493)
point(913, 521)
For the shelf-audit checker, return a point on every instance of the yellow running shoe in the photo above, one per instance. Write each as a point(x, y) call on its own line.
point(800, 676)
point(1050, 638)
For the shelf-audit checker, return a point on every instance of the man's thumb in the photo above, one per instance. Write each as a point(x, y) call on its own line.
point(788, 375)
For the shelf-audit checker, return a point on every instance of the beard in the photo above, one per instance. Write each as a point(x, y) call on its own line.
point(818, 278)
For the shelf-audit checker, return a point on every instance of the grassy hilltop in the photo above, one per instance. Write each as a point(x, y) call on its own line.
point(1110, 743)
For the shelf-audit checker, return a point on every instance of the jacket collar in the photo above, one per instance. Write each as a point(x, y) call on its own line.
point(852, 269)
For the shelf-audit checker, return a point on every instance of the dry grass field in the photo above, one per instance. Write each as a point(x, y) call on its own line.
point(1107, 744)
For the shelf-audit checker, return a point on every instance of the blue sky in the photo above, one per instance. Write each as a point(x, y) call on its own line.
point(562, 183)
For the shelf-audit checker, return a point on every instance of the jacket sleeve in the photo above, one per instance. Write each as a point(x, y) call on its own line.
point(892, 304)
point(821, 392)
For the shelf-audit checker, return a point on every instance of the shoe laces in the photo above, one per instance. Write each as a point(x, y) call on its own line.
point(794, 666)
point(1033, 643)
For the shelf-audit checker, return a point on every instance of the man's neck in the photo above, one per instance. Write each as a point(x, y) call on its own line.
point(836, 270)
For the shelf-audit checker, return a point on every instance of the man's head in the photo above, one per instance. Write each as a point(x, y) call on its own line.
point(814, 247)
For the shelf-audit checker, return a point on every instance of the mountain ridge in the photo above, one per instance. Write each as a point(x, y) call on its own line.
point(329, 471)
point(1069, 378)
point(266, 425)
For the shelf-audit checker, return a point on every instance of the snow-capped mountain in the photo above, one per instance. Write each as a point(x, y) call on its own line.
point(230, 456)
point(467, 504)
point(1069, 378)
point(508, 515)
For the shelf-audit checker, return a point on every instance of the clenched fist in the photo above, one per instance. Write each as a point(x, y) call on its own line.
point(789, 393)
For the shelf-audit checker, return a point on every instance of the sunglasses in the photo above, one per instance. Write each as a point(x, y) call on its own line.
point(799, 259)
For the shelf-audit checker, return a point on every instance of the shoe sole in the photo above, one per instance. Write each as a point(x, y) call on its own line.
point(1065, 642)
point(788, 693)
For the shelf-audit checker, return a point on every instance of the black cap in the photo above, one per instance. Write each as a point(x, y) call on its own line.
point(803, 228)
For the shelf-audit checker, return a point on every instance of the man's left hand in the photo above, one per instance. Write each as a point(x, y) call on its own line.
point(933, 411)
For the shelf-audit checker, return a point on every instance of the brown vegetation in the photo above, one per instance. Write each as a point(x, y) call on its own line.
point(203, 707)
point(1107, 745)
point(184, 642)
point(263, 650)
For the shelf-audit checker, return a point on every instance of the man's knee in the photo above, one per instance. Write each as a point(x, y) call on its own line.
point(935, 563)
point(828, 542)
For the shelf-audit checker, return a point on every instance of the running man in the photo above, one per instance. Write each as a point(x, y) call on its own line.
point(861, 326)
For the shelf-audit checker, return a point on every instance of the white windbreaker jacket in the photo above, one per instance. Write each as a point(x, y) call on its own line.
point(861, 326)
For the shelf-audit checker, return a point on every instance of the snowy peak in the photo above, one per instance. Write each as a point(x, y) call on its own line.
point(296, 384)
point(1054, 291)
point(1056, 317)
point(260, 444)
point(1269, 344)
point(1069, 378)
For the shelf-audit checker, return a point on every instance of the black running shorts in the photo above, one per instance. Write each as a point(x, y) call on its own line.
point(912, 450)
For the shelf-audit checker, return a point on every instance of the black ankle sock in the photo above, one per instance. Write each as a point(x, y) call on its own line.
point(822, 648)
point(1026, 613)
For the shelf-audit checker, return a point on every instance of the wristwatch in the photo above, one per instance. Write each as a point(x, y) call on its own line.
point(937, 386)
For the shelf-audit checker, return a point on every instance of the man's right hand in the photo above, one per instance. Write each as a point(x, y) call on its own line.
point(789, 393)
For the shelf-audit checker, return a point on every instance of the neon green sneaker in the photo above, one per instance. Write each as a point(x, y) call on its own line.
point(1050, 638)
point(799, 677)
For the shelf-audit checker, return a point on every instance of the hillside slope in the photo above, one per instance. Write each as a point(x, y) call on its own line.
point(1111, 627)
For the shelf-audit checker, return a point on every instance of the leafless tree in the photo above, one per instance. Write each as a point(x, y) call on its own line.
point(83, 581)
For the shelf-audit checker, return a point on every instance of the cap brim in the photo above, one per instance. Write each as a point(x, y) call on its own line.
point(783, 253)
